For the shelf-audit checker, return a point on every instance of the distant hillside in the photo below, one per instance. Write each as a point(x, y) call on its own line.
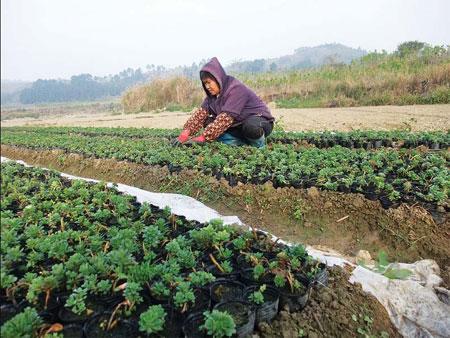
point(10, 91)
point(304, 57)
point(416, 73)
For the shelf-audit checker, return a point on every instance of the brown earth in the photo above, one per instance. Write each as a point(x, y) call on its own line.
point(417, 117)
point(344, 222)
point(339, 310)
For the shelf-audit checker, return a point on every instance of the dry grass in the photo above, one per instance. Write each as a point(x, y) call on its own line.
point(174, 93)
point(377, 79)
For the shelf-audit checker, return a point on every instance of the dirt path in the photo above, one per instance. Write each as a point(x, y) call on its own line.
point(420, 117)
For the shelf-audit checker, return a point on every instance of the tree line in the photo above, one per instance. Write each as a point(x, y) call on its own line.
point(85, 87)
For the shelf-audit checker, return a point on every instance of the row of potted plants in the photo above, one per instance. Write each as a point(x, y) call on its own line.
point(389, 175)
point(84, 258)
point(367, 139)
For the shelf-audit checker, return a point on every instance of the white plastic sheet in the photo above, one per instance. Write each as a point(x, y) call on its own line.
point(414, 308)
point(412, 304)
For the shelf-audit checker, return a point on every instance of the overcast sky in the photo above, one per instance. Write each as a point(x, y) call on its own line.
point(60, 38)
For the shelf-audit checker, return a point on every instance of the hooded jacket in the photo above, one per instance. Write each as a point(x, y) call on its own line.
point(235, 99)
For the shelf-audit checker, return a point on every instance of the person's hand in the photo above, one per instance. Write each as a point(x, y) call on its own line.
point(196, 140)
point(184, 136)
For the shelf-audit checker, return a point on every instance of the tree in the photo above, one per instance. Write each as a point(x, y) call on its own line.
point(410, 47)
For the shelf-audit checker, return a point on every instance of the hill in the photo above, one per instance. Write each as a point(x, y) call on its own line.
point(85, 87)
point(304, 57)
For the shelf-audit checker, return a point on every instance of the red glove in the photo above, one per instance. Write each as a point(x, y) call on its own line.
point(184, 136)
point(199, 139)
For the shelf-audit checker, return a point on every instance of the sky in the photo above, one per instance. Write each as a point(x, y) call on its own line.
point(60, 38)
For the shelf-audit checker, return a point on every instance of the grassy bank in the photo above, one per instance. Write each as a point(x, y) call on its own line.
point(417, 76)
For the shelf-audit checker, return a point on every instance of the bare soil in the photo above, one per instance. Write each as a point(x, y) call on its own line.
point(416, 118)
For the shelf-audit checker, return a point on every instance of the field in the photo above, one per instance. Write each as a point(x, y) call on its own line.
point(379, 182)
point(415, 118)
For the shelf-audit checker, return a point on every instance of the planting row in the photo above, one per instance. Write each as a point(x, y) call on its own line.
point(367, 139)
point(389, 175)
point(81, 259)
point(354, 139)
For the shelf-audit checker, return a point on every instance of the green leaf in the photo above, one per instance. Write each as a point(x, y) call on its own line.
point(397, 273)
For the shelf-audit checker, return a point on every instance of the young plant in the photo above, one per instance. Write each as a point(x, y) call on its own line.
point(76, 301)
point(23, 324)
point(132, 293)
point(160, 289)
point(183, 296)
point(384, 267)
point(201, 278)
point(258, 271)
point(257, 296)
point(218, 324)
point(152, 320)
point(279, 281)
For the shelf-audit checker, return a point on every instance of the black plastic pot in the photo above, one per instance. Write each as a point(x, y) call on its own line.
point(378, 144)
point(268, 310)
point(319, 279)
point(73, 331)
point(191, 326)
point(368, 145)
point(434, 146)
point(387, 143)
point(295, 300)
point(223, 290)
point(55, 302)
point(95, 327)
point(371, 196)
point(7, 311)
point(109, 300)
point(243, 314)
point(242, 261)
point(67, 316)
point(386, 203)
point(174, 322)
point(202, 300)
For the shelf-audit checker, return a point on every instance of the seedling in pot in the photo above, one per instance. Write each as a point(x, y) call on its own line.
point(253, 259)
point(219, 324)
point(258, 271)
point(224, 267)
point(240, 243)
point(160, 290)
point(279, 281)
point(76, 301)
point(184, 296)
point(201, 278)
point(132, 294)
point(23, 324)
point(152, 320)
point(213, 235)
point(257, 296)
point(145, 212)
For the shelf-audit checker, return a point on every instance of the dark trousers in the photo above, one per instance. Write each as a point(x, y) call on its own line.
point(252, 128)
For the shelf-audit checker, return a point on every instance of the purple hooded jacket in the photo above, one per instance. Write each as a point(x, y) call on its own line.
point(235, 99)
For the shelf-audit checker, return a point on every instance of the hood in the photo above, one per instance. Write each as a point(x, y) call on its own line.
point(215, 68)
